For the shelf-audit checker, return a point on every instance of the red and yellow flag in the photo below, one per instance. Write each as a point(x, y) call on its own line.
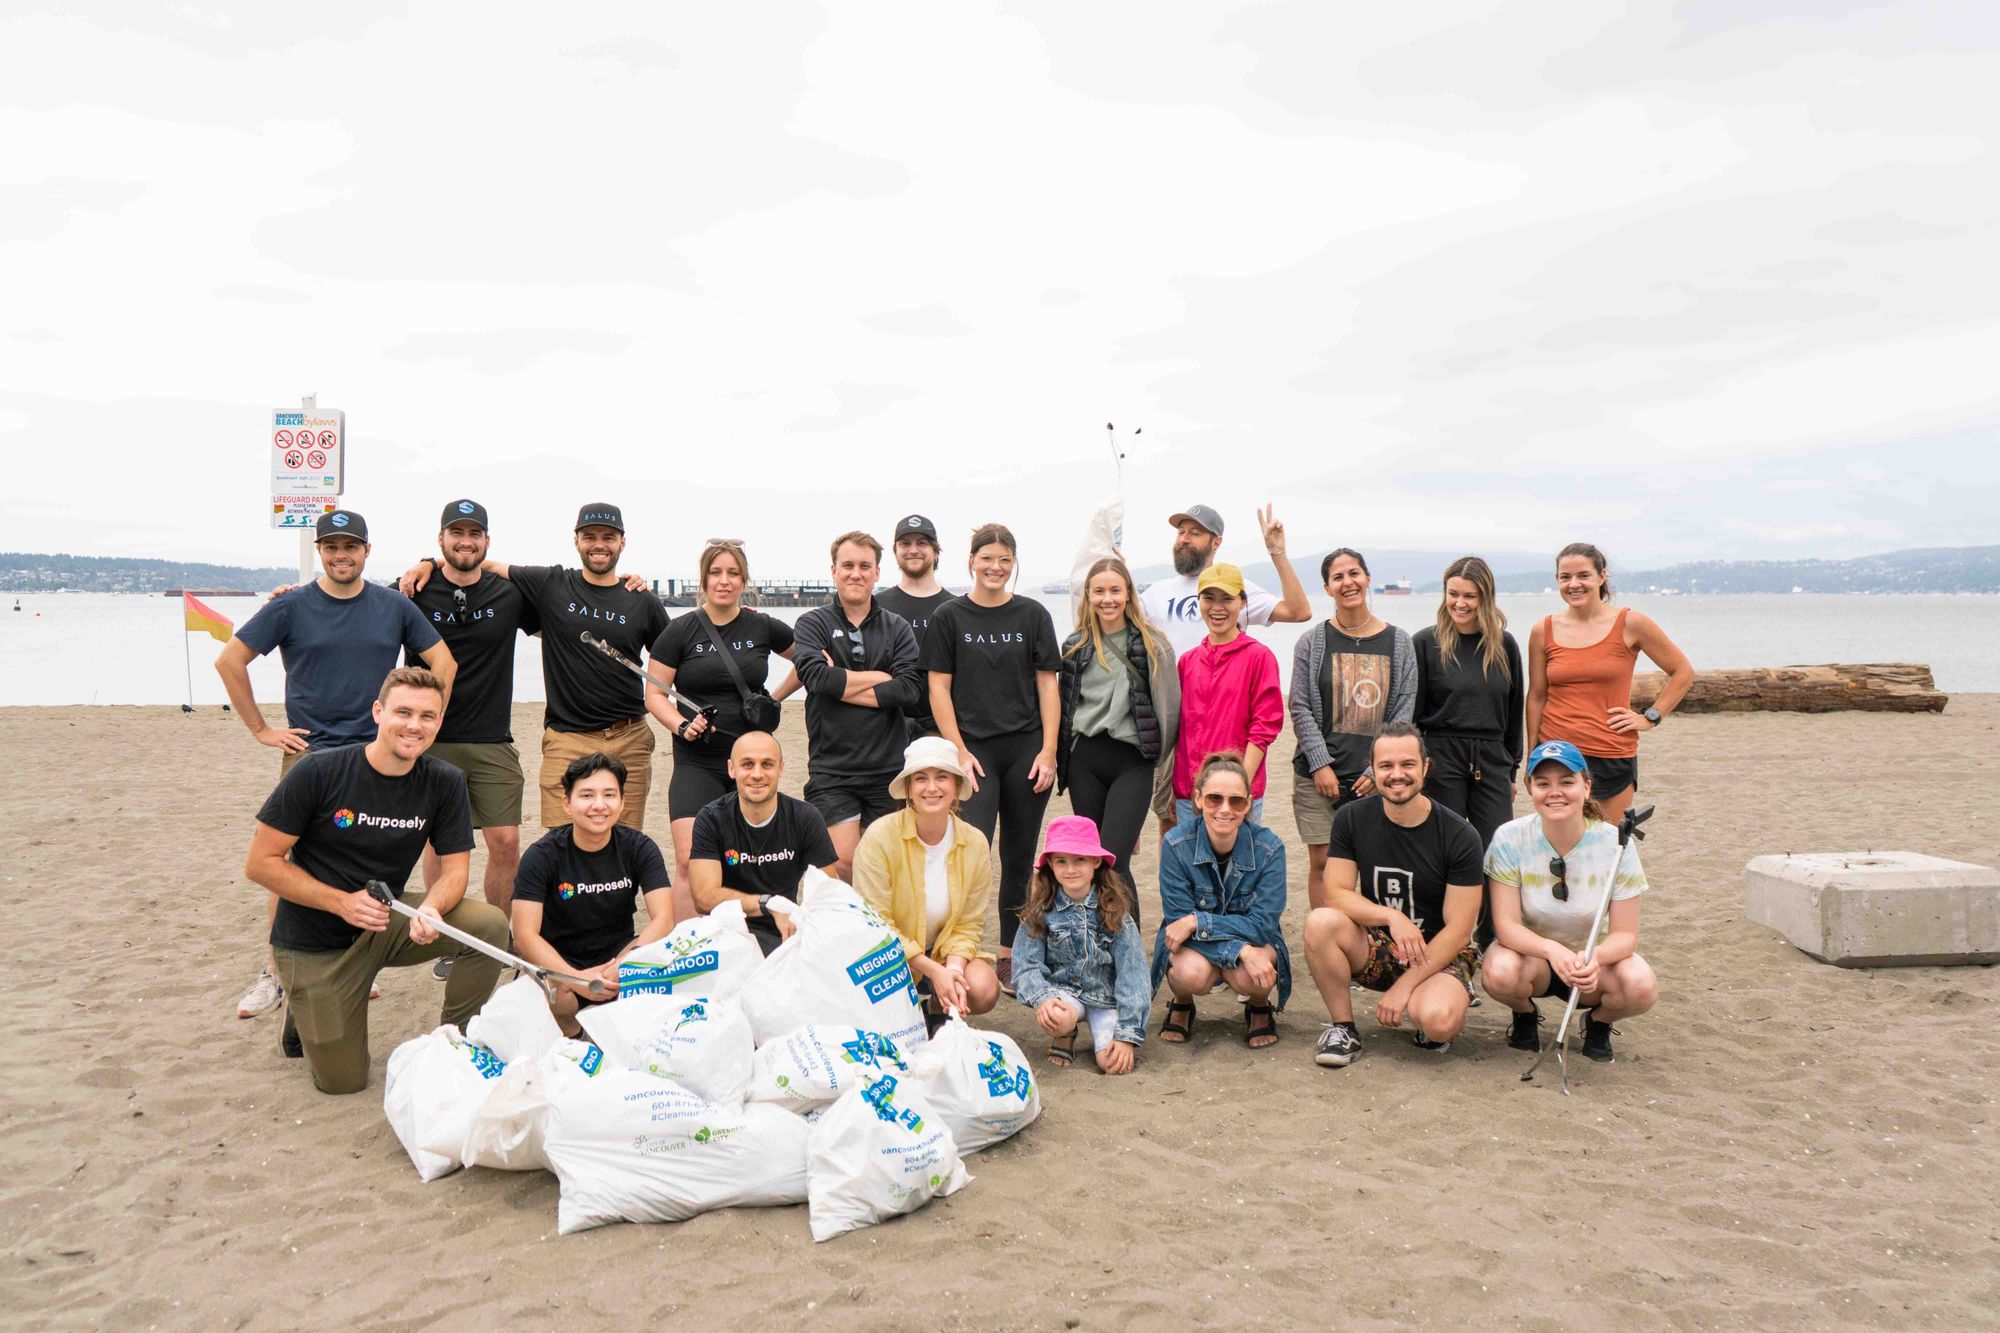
point(200, 617)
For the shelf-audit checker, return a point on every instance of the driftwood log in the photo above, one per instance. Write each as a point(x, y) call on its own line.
point(1868, 687)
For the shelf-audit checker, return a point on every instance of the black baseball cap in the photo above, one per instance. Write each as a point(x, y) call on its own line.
point(341, 523)
point(600, 515)
point(463, 511)
point(916, 525)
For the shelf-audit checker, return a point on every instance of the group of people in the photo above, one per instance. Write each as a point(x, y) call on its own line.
point(937, 728)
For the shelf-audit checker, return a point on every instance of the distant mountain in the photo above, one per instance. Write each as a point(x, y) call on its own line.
point(89, 573)
point(1422, 568)
point(1928, 569)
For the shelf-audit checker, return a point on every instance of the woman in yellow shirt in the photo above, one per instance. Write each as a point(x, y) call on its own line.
point(930, 874)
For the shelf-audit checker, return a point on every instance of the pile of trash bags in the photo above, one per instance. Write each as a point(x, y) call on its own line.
point(721, 1078)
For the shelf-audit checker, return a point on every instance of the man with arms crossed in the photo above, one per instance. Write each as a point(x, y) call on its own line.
point(858, 666)
point(754, 844)
point(1403, 879)
point(339, 819)
point(595, 706)
point(479, 614)
point(916, 598)
point(337, 636)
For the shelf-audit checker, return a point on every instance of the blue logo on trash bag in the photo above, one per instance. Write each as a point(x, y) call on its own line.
point(871, 1049)
point(883, 972)
point(998, 1081)
point(881, 1094)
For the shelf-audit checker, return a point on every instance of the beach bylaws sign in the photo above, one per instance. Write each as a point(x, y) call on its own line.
point(308, 451)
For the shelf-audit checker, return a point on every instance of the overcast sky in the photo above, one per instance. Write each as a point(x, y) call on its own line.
point(1696, 280)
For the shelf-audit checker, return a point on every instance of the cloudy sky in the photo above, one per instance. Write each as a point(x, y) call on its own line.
point(1696, 280)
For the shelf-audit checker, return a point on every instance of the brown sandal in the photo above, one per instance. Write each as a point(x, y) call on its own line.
point(1062, 1051)
point(1257, 1035)
point(1177, 1033)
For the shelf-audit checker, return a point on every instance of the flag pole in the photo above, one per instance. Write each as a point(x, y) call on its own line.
point(187, 654)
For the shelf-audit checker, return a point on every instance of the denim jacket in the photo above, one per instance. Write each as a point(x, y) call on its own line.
point(1246, 907)
point(1076, 956)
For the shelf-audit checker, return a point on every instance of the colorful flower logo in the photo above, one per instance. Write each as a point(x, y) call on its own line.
point(732, 856)
point(566, 890)
point(343, 819)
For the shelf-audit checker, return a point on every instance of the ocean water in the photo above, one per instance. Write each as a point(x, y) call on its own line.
point(82, 648)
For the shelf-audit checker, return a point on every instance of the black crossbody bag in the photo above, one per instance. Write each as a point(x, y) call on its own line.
point(760, 710)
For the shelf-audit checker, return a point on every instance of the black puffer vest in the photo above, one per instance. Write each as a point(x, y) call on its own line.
point(1074, 664)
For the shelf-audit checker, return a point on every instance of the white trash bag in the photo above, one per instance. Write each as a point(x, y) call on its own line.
point(844, 966)
point(978, 1082)
point(811, 1067)
point(634, 1148)
point(507, 1130)
point(704, 1045)
point(704, 955)
point(515, 1022)
point(876, 1153)
point(433, 1085)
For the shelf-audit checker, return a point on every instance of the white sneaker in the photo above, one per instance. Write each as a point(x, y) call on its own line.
point(262, 997)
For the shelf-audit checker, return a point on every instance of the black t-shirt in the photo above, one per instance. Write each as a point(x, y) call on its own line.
point(770, 859)
point(918, 611)
point(992, 654)
point(588, 898)
point(481, 635)
point(354, 824)
point(700, 676)
point(587, 690)
point(1407, 869)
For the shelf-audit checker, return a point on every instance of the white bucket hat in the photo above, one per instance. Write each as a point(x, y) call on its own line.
point(929, 752)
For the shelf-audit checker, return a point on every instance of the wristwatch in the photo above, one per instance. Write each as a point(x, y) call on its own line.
point(764, 903)
point(1654, 716)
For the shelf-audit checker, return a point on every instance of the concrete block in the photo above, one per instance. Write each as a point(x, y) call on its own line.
point(1878, 909)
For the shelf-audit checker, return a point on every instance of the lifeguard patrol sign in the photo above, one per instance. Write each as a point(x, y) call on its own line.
point(308, 464)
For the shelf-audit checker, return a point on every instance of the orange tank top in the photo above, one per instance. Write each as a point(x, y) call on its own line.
point(1583, 683)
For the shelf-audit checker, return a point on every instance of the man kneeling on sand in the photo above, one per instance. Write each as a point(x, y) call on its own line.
point(1403, 882)
point(341, 818)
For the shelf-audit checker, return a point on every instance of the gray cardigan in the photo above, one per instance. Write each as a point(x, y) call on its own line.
point(1308, 709)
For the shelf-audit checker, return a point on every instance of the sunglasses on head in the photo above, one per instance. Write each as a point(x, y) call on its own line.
point(1560, 871)
point(733, 543)
point(1215, 800)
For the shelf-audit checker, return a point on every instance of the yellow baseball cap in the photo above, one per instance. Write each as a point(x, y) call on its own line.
point(1224, 576)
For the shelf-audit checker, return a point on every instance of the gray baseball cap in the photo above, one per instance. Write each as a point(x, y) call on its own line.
point(1201, 514)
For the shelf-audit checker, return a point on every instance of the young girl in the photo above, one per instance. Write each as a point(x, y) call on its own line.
point(1546, 874)
point(1077, 958)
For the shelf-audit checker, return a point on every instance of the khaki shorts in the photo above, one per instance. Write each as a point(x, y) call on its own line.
point(630, 742)
point(1163, 789)
point(492, 779)
point(1312, 812)
point(287, 759)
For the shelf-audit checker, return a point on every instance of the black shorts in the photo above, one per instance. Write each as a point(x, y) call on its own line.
point(695, 783)
point(1557, 987)
point(1610, 777)
point(841, 799)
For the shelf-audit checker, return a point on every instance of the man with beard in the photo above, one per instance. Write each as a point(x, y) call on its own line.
point(1403, 878)
point(916, 597)
point(479, 614)
point(338, 636)
point(595, 706)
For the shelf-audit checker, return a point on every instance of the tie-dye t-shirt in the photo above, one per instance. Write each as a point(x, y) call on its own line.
point(1520, 856)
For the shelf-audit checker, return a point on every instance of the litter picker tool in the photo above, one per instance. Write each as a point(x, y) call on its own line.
point(1628, 830)
point(601, 646)
point(595, 985)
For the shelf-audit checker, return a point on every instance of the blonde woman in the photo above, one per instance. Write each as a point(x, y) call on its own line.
point(1121, 696)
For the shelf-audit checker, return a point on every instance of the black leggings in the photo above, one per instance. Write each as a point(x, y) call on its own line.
point(1111, 782)
point(1473, 778)
point(1008, 801)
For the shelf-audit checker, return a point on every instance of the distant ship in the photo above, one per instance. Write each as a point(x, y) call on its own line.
point(209, 592)
point(1396, 588)
point(1061, 586)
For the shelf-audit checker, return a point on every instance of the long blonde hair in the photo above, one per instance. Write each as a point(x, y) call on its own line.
point(1492, 620)
point(1093, 633)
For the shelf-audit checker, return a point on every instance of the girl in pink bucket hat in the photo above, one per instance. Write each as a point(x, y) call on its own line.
point(1077, 958)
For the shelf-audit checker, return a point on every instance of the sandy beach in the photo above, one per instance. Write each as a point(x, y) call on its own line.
point(1780, 1144)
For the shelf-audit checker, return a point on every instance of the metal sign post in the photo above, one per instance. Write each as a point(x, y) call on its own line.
point(308, 471)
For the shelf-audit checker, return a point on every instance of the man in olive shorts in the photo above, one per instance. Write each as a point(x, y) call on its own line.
point(1404, 878)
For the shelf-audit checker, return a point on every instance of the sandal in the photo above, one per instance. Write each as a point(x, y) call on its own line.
point(1179, 1024)
point(1062, 1051)
point(1255, 1035)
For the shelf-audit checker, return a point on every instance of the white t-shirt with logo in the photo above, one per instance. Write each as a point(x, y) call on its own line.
point(937, 888)
point(1174, 607)
point(1520, 856)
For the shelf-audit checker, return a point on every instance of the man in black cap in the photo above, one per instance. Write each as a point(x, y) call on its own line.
point(338, 637)
point(594, 705)
point(916, 597)
point(479, 614)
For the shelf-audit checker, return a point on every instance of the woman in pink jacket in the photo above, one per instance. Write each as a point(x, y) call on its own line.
point(1230, 698)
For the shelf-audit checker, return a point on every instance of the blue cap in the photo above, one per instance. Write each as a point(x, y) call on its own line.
point(1562, 752)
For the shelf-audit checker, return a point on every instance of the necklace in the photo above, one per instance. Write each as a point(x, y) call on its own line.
point(1355, 635)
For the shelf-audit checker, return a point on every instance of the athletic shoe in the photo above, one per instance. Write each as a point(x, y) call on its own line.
point(262, 997)
point(441, 969)
point(1526, 1034)
point(1423, 1043)
point(1338, 1046)
point(288, 1039)
point(1597, 1040)
point(1005, 967)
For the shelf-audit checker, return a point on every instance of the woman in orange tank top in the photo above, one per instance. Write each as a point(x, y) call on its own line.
point(1580, 666)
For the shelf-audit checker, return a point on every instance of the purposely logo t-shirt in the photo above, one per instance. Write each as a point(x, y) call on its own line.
point(588, 898)
point(770, 859)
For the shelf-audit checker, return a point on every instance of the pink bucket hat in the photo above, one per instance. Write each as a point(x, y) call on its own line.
point(1073, 835)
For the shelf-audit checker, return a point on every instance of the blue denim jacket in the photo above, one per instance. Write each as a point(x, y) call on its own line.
point(1246, 907)
point(1076, 956)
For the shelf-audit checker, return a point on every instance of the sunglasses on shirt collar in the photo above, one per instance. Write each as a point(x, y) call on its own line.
point(1560, 871)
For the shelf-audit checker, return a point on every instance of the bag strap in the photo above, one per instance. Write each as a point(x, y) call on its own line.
point(728, 660)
